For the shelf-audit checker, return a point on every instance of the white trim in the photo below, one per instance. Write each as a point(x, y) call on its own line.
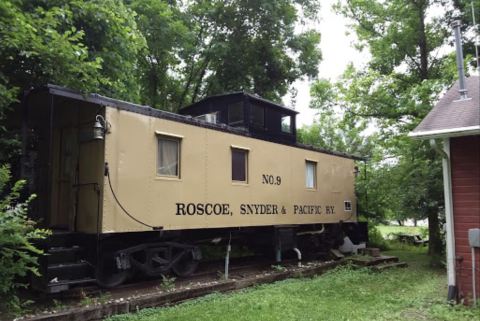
point(449, 223)
point(159, 133)
point(448, 132)
point(240, 147)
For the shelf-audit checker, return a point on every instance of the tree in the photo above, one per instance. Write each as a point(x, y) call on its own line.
point(470, 31)
point(169, 43)
point(89, 46)
point(248, 45)
point(332, 130)
point(397, 89)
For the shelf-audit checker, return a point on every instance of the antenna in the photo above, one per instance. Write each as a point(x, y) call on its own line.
point(476, 42)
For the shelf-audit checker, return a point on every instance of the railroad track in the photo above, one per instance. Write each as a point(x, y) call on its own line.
point(209, 271)
point(245, 272)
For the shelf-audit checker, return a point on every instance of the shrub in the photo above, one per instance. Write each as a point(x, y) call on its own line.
point(424, 232)
point(375, 238)
point(18, 256)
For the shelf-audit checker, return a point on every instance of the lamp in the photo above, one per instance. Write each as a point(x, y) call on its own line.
point(99, 128)
point(356, 171)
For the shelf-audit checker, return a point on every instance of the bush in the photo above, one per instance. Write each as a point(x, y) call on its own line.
point(424, 232)
point(18, 256)
point(375, 238)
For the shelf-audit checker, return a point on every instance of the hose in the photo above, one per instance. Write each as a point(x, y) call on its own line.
point(107, 173)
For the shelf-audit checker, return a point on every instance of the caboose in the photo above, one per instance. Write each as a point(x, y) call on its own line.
point(130, 189)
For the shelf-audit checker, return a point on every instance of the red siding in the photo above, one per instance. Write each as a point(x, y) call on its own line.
point(465, 156)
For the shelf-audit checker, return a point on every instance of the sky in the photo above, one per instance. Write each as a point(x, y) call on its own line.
point(337, 52)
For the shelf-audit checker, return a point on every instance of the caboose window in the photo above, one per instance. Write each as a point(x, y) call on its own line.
point(168, 160)
point(258, 115)
point(235, 113)
point(287, 124)
point(310, 174)
point(239, 165)
point(348, 206)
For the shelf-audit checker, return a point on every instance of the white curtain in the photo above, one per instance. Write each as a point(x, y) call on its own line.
point(310, 174)
point(167, 157)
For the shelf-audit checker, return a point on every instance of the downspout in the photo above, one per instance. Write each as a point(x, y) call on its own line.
point(450, 234)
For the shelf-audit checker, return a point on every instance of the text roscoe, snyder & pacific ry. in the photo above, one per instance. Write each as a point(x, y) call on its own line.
point(247, 209)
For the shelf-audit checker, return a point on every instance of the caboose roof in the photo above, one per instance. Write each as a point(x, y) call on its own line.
point(152, 112)
point(453, 116)
point(239, 94)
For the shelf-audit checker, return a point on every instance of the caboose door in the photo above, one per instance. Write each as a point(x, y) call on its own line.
point(66, 149)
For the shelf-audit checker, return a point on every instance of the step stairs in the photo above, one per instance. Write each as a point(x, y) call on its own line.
point(383, 267)
point(374, 260)
point(64, 263)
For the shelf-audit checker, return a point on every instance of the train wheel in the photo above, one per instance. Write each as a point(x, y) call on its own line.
point(187, 264)
point(107, 273)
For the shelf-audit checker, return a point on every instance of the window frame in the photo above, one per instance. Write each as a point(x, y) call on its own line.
point(314, 163)
point(170, 137)
point(290, 124)
point(246, 152)
point(346, 209)
point(204, 117)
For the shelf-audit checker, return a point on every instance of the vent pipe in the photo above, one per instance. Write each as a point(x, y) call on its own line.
point(458, 46)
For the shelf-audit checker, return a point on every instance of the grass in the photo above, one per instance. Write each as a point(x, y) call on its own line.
point(386, 230)
point(414, 293)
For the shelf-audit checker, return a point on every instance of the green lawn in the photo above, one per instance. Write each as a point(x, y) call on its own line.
point(414, 293)
point(385, 230)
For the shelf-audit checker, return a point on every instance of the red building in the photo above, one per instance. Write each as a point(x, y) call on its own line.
point(453, 126)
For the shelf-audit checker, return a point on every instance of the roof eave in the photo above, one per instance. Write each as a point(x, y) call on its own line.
point(445, 133)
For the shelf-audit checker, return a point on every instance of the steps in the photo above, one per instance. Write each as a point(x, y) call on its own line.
point(376, 261)
point(64, 263)
point(383, 267)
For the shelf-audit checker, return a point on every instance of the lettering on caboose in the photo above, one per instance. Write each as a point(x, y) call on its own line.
point(203, 209)
point(217, 209)
point(246, 209)
point(313, 209)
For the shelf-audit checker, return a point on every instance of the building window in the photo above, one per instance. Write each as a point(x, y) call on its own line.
point(287, 124)
point(258, 116)
point(235, 113)
point(348, 206)
point(310, 174)
point(168, 159)
point(239, 165)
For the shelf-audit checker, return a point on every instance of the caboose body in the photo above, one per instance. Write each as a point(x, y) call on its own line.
point(128, 187)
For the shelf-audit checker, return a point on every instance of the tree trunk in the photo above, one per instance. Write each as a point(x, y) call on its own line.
point(435, 246)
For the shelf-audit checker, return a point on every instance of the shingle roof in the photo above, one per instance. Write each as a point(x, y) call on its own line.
point(452, 116)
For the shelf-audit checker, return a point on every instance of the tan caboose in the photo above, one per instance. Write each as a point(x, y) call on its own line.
point(131, 188)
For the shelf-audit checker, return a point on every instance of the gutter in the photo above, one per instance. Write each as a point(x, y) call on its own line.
point(445, 133)
point(444, 151)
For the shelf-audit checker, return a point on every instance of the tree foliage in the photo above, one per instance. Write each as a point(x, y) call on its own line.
point(408, 71)
point(331, 130)
point(91, 46)
point(163, 53)
point(18, 256)
point(210, 47)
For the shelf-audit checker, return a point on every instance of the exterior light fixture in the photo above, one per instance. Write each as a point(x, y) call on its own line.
point(356, 171)
point(99, 128)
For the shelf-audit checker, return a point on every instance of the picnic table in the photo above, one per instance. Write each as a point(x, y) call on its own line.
point(414, 239)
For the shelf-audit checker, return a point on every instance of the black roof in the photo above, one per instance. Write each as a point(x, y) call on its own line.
point(152, 112)
point(252, 97)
